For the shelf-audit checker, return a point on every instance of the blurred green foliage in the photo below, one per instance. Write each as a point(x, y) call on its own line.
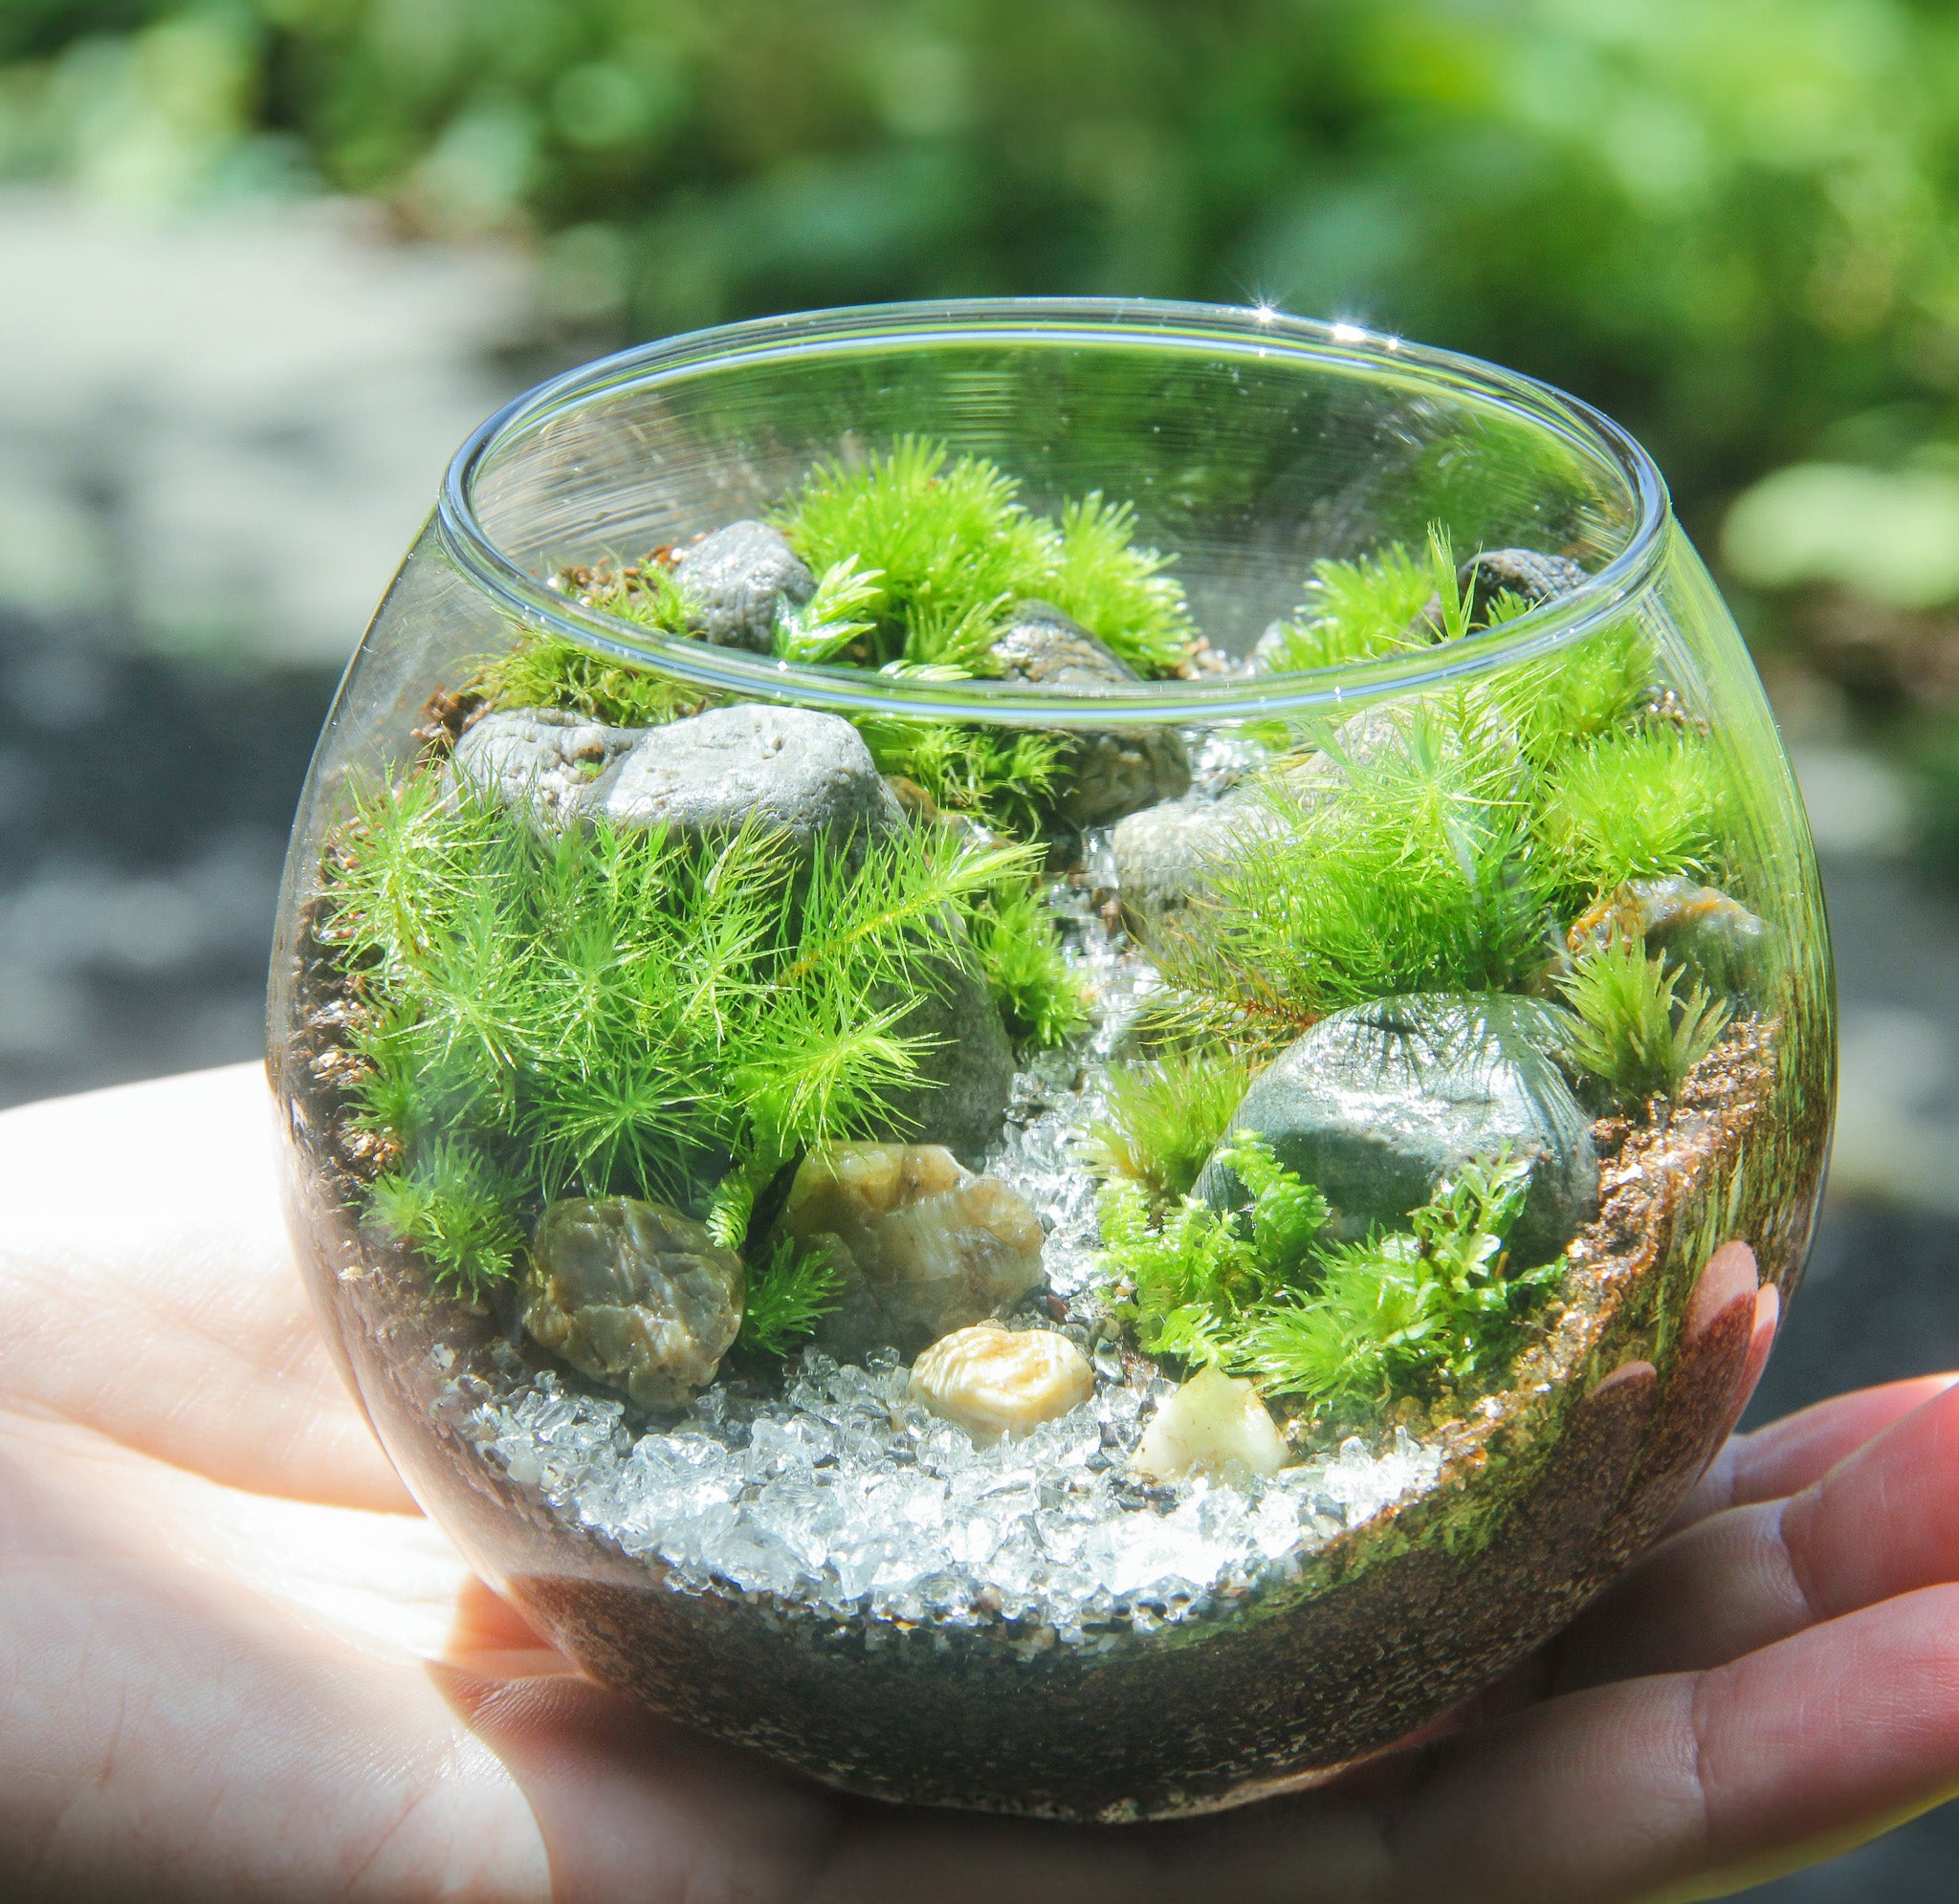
point(1734, 225)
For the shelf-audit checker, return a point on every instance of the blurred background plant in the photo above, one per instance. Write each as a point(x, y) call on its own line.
point(266, 261)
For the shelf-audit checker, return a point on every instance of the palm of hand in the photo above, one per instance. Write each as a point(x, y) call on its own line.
point(235, 1663)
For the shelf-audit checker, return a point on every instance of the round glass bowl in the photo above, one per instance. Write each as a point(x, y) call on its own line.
point(1058, 1056)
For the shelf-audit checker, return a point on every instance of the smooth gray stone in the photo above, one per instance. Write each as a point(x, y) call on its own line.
point(633, 1294)
point(734, 579)
point(1379, 1102)
point(1525, 573)
point(1167, 855)
point(539, 755)
point(1102, 774)
point(798, 773)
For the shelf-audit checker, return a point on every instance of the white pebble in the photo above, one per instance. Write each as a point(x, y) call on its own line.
point(1210, 1422)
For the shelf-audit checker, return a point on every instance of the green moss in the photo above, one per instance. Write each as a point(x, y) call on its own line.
point(1177, 1280)
point(1643, 805)
point(1422, 873)
point(614, 1011)
point(1632, 1032)
point(1412, 1313)
point(1115, 588)
point(788, 1296)
point(952, 547)
point(456, 1209)
point(946, 536)
point(1018, 944)
point(547, 670)
point(1001, 777)
point(1351, 1327)
point(1165, 1117)
point(1358, 610)
point(1561, 700)
point(1192, 1280)
point(834, 618)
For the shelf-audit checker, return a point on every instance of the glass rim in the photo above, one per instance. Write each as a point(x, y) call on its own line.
point(1257, 332)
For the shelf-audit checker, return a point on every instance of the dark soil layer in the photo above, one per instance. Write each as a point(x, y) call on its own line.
point(1546, 1492)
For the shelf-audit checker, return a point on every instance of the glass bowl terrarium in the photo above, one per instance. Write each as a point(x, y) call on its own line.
point(1059, 1057)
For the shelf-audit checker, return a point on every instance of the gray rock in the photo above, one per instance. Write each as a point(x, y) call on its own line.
point(1040, 643)
point(1378, 1102)
point(926, 1246)
point(1167, 855)
point(734, 580)
point(801, 773)
point(1106, 775)
point(1719, 943)
point(1521, 572)
point(967, 1075)
point(1536, 577)
point(539, 755)
point(635, 1295)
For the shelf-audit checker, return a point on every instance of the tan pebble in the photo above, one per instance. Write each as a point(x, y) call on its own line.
point(1209, 1423)
point(993, 1380)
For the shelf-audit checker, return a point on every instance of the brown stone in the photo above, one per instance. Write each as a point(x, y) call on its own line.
point(633, 1294)
point(931, 1248)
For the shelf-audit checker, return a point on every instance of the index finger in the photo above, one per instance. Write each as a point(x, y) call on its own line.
point(1790, 1455)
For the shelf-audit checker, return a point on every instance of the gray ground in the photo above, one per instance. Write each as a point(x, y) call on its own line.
point(144, 793)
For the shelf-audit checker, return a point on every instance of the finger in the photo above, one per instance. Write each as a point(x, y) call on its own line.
point(1692, 1786)
point(1787, 1454)
point(1883, 1521)
point(391, 1583)
point(171, 1731)
point(631, 1806)
point(170, 1314)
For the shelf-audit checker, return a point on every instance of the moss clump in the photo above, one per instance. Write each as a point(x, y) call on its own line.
point(1358, 611)
point(456, 1209)
point(1116, 588)
point(1004, 779)
point(1194, 1282)
point(1632, 1034)
point(1434, 1311)
point(1561, 700)
point(613, 1012)
point(1421, 873)
point(834, 618)
point(1633, 805)
point(952, 547)
point(1445, 847)
point(1040, 999)
point(788, 1297)
point(548, 670)
point(1165, 1117)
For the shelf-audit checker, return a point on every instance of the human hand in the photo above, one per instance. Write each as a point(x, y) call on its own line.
point(235, 1663)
